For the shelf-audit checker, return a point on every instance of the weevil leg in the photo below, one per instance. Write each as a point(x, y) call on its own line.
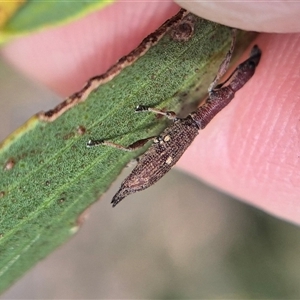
point(169, 114)
point(220, 97)
point(220, 85)
point(140, 143)
point(134, 146)
point(225, 63)
point(243, 72)
point(248, 64)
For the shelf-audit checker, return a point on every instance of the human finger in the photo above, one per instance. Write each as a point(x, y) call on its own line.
point(262, 16)
point(251, 149)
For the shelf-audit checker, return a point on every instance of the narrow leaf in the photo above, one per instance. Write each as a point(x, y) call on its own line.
point(8, 9)
point(35, 15)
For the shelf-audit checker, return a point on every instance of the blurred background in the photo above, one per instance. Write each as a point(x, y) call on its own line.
point(178, 239)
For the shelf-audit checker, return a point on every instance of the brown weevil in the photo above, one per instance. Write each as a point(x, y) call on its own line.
point(169, 146)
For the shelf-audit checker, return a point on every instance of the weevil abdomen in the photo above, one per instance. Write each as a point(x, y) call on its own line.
point(165, 151)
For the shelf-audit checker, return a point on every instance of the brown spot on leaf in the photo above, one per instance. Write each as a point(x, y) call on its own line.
point(183, 31)
point(9, 164)
point(81, 130)
point(82, 217)
point(2, 194)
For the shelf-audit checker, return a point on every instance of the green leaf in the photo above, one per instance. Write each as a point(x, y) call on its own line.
point(35, 15)
point(49, 176)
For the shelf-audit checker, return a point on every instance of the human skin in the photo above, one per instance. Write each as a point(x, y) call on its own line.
point(252, 148)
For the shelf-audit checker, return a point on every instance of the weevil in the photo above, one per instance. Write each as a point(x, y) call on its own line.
point(170, 145)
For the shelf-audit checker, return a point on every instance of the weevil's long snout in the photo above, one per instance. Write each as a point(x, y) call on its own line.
point(248, 66)
point(255, 55)
point(245, 70)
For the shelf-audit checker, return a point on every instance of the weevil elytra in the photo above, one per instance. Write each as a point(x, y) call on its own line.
point(170, 145)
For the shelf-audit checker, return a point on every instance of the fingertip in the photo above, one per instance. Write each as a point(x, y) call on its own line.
point(251, 149)
point(281, 17)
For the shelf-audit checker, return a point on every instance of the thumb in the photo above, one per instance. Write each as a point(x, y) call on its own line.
point(252, 148)
point(261, 16)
